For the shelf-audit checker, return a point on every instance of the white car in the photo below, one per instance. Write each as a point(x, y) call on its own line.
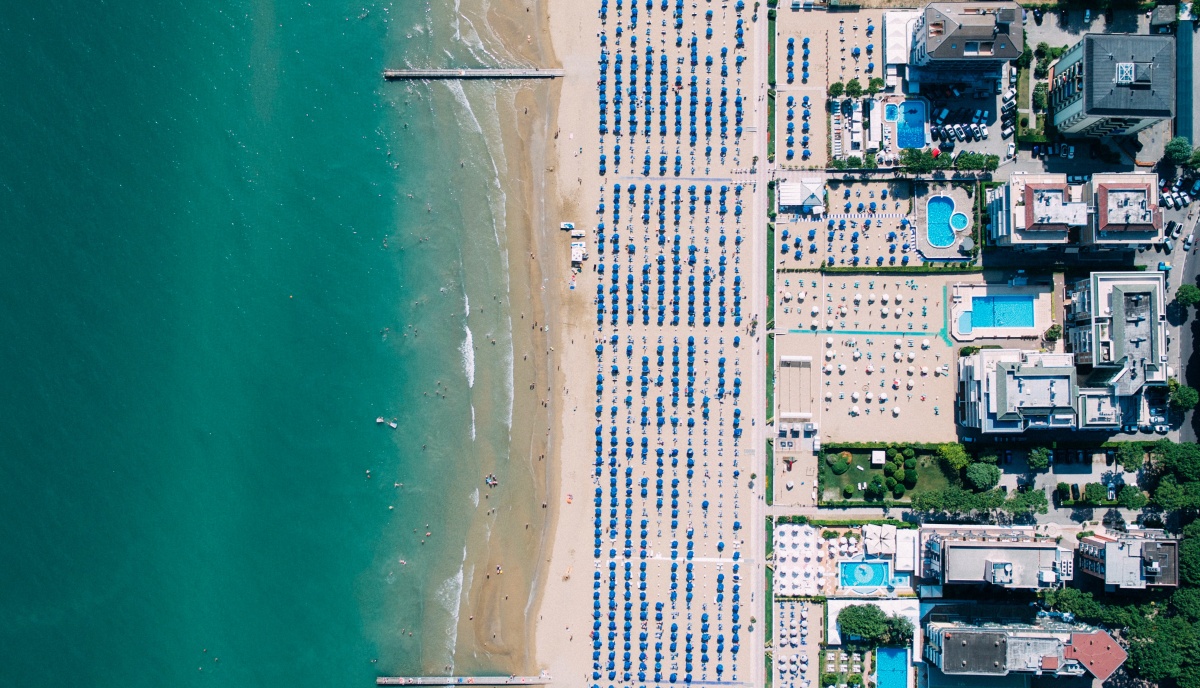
point(1070, 152)
point(1012, 149)
point(1165, 199)
point(983, 130)
point(1186, 198)
point(1006, 132)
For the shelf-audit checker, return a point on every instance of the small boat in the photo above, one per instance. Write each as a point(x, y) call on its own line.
point(393, 423)
point(380, 420)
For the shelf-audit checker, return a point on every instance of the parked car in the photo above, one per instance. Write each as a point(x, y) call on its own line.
point(1010, 96)
point(978, 116)
point(1196, 188)
point(933, 133)
point(1112, 493)
point(1012, 149)
point(1006, 132)
point(1187, 243)
point(983, 130)
point(1075, 492)
point(1186, 198)
point(1161, 429)
point(1165, 199)
point(1007, 456)
point(1168, 245)
point(1110, 457)
point(958, 133)
point(1070, 152)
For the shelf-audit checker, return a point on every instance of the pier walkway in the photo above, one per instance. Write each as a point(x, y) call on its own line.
point(543, 679)
point(486, 73)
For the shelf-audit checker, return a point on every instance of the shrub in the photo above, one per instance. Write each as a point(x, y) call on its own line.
point(1177, 151)
point(891, 483)
point(900, 474)
point(910, 480)
point(847, 492)
point(898, 491)
point(829, 679)
point(840, 467)
point(831, 459)
point(910, 464)
point(889, 469)
point(1053, 333)
point(892, 453)
point(1064, 490)
point(910, 453)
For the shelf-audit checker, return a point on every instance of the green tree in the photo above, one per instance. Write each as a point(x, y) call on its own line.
point(982, 476)
point(1187, 295)
point(864, 621)
point(1094, 493)
point(1177, 151)
point(1039, 459)
point(1130, 497)
point(1184, 398)
point(1189, 555)
point(836, 89)
point(1026, 503)
point(875, 85)
point(1040, 94)
point(1042, 50)
point(1025, 59)
point(955, 455)
point(1172, 495)
point(854, 162)
point(1073, 601)
point(876, 488)
point(1182, 459)
point(854, 88)
point(1053, 333)
point(1186, 601)
point(1130, 456)
point(829, 679)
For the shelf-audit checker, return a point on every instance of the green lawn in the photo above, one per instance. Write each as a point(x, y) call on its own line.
point(930, 477)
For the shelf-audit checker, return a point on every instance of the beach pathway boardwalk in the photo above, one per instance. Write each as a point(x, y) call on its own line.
point(484, 73)
point(542, 679)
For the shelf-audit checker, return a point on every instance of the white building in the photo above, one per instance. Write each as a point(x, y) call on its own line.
point(1003, 391)
point(1116, 325)
point(1041, 211)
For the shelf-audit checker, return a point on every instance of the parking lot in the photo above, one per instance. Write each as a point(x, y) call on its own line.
point(967, 119)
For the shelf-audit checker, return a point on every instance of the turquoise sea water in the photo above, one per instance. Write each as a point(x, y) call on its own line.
point(201, 322)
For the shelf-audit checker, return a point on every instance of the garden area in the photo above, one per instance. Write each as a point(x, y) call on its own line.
point(848, 479)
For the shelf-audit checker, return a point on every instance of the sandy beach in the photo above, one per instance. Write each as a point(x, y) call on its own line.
point(680, 615)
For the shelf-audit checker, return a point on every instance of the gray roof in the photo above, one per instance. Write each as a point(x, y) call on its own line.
point(1129, 75)
point(970, 651)
point(984, 26)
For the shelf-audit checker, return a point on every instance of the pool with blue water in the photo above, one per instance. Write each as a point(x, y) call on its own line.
point(891, 667)
point(910, 127)
point(1002, 311)
point(891, 112)
point(941, 221)
point(864, 574)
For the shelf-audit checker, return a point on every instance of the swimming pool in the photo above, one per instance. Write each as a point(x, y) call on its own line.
point(1001, 311)
point(864, 574)
point(891, 667)
point(941, 221)
point(891, 112)
point(910, 128)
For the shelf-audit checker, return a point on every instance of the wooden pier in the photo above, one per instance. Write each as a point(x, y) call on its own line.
point(543, 679)
point(486, 73)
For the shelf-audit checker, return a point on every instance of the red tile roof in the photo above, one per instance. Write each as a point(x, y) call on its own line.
point(1097, 651)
